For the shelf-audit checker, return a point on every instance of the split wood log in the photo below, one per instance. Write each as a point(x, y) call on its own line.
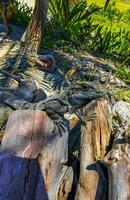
point(35, 156)
point(94, 142)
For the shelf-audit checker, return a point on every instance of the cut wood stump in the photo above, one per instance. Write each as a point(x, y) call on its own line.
point(32, 142)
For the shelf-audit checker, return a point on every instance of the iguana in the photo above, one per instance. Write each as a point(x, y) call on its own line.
point(69, 100)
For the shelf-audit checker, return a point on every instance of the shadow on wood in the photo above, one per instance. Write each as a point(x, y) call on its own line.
point(36, 157)
point(94, 141)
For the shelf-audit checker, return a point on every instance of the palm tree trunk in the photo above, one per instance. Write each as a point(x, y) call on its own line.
point(36, 26)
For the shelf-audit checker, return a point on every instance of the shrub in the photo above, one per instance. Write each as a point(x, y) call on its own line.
point(22, 13)
point(70, 22)
point(111, 41)
point(89, 27)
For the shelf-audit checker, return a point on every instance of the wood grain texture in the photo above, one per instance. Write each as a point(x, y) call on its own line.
point(94, 141)
point(32, 138)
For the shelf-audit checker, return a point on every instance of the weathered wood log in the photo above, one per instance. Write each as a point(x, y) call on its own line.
point(32, 138)
point(118, 159)
point(27, 141)
point(94, 142)
point(118, 163)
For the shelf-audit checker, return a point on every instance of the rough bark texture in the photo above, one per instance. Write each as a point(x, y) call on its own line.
point(94, 141)
point(36, 26)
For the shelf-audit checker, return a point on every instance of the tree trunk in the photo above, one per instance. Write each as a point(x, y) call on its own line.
point(36, 26)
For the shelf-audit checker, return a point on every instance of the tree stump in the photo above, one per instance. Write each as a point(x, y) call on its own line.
point(38, 155)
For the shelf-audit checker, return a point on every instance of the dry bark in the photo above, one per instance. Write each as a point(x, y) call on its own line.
point(36, 26)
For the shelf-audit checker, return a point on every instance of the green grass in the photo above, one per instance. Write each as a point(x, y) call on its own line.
point(122, 5)
point(88, 27)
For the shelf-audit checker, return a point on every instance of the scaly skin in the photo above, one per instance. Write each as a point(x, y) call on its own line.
point(56, 106)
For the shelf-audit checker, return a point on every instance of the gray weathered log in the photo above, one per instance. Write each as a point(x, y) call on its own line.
point(118, 159)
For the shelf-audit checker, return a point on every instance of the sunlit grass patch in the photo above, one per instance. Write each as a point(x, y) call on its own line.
point(122, 5)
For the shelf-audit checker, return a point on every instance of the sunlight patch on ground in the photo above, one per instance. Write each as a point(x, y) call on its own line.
point(122, 5)
point(30, 3)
